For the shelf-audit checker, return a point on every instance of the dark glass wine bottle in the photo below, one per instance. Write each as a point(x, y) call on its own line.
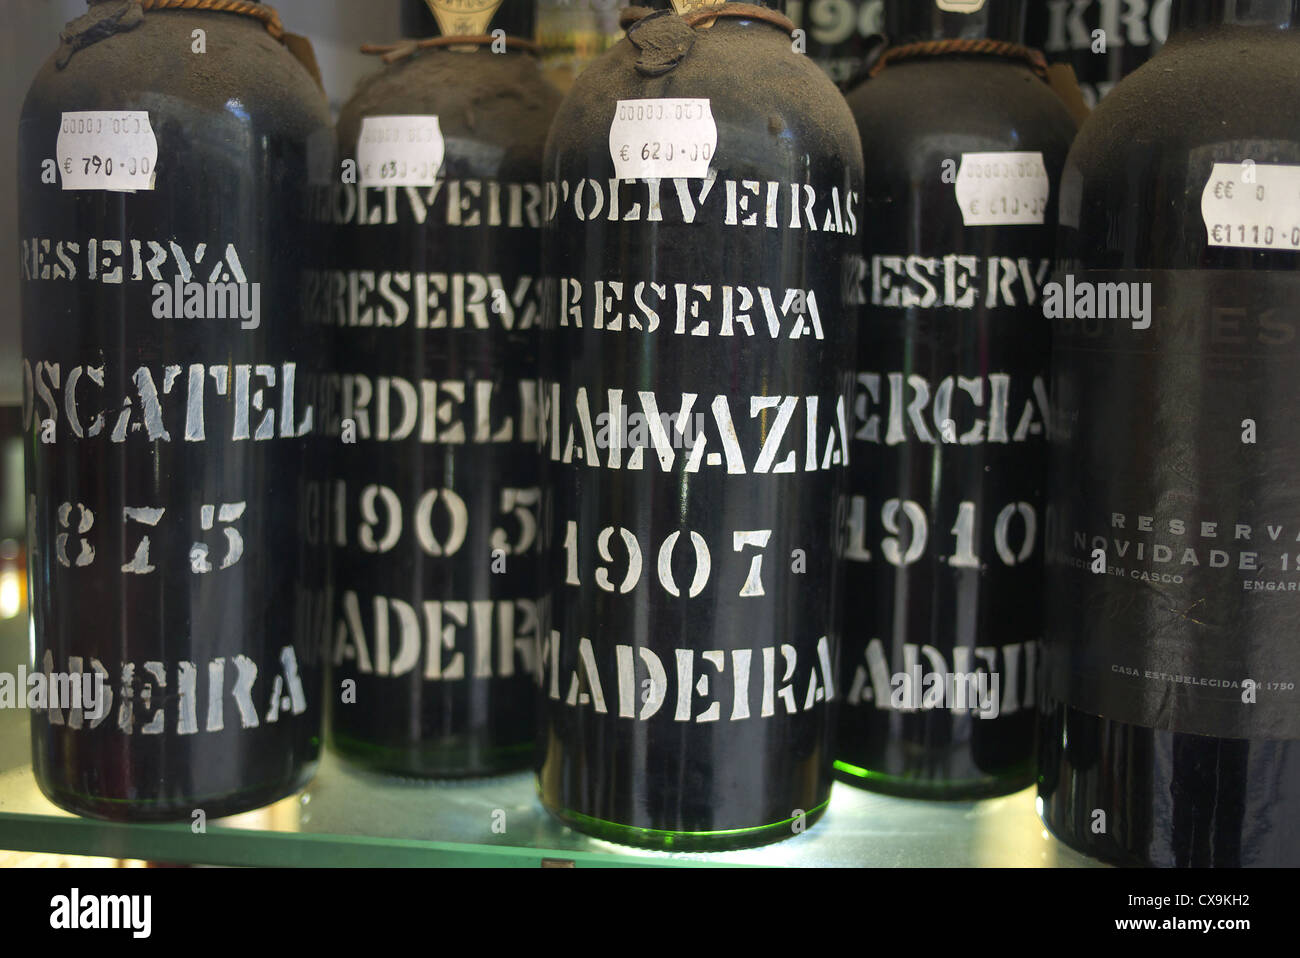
point(1103, 40)
point(165, 204)
point(943, 591)
point(838, 34)
point(1171, 714)
point(703, 184)
point(437, 491)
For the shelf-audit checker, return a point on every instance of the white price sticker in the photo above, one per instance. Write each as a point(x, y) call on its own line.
point(113, 150)
point(1003, 189)
point(400, 151)
point(662, 139)
point(1252, 206)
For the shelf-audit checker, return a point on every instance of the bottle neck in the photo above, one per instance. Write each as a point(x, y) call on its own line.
point(689, 6)
point(914, 21)
point(1203, 14)
point(452, 18)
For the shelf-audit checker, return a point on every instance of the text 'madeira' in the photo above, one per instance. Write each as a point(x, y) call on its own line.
point(663, 139)
point(1252, 205)
point(1003, 189)
point(400, 151)
point(113, 150)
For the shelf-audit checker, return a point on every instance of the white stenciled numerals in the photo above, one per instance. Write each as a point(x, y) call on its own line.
point(439, 519)
point(757, 539)
point(86, 519)
point(521, 506)
point(832, 22)
point(78, 525)
point(226, 513)
point(905, 533)
point(622, 559)
point(139, 563)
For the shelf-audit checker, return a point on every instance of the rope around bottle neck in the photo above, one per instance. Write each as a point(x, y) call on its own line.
point(108, 18)
point(393, 52)
point(268, 15)
point(955, 46)
point(750, 11)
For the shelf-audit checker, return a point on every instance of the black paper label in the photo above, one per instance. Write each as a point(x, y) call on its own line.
point(1174, 538)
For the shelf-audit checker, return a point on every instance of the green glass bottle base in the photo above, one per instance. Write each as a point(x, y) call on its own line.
point(899, 786)
point(433, 759)
point(665, 840)
point(212, 806)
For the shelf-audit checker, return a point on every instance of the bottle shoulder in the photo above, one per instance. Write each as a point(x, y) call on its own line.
point(234, 72)
point(1134, 187)
point(497, 99)
point(915, 110)
point(1203, 91)
point(765, 98)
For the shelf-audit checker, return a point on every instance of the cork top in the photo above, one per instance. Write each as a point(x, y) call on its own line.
point(913, 21)
point(469, 18)
point(690, 6)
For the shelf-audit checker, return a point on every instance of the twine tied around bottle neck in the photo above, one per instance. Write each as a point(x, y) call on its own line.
point(665, 39)
point(107, 18)
point(405, 49)
point(750, 11)
point(967, 47)
point(268, 15)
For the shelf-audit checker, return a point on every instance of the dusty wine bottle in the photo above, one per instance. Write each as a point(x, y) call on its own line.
point(164, 215)
point(1103, 40)
point(437, 300)
point(1171, 715)
point(703, 187)
point(964, 143)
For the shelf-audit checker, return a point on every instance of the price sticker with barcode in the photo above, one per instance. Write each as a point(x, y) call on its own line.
point(400, 151)
point(663, 139)
point(1252, 206)
point(1003, 189)
point(113, 150)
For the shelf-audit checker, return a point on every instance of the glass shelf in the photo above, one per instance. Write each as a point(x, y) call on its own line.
point(352, 817)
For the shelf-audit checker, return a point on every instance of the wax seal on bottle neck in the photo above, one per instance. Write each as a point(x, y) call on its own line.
point(664, 41)
point(683, 7)
point(103, 19)
point(469, 18)
point(920, 22)
point(463, 18)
